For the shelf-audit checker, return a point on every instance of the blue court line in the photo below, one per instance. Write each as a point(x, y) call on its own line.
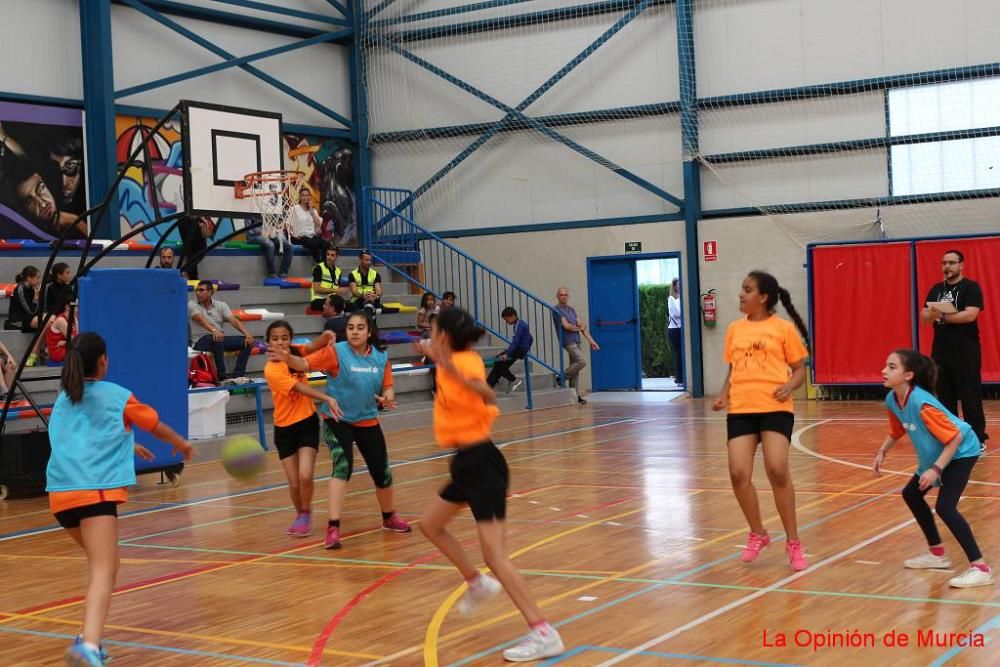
point(991, 624)
point(666, 582)
point(154, 647)
point(270, 487)
point(658, 654)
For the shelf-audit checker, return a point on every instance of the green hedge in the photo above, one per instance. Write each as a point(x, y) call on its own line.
point(657, 354)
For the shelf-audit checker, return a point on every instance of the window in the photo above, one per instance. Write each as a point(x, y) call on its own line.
point(955, 163)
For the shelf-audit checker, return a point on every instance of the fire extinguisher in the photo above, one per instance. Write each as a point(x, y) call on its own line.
point(708, 308)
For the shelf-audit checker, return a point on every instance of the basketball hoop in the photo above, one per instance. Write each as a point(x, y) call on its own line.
point(272, 195)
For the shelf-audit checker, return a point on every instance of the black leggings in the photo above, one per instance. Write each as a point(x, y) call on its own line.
point(953, 480)
point(341, 438)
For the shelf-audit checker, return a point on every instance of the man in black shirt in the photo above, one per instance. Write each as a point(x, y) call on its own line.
point(336, 318)
point(956, 347)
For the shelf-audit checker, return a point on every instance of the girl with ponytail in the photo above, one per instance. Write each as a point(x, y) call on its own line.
point(766, 357)
point(947, 450)
point(91, 467)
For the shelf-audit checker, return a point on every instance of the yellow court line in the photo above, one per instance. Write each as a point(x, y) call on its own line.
point(431, 637)
point(195, 636)
point(434, 627)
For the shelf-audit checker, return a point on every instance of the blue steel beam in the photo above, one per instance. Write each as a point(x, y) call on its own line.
point(343, 9)
point(849, 145)
point(99, 109)
point(377, 9)
point(286, 11)
point(228, 18)
point(556, 120)
point(234, 62)
point(692, 187)
point(852, 87)
point(448, 11)
point(521, 20)
point(531, 122)
point(263, 76)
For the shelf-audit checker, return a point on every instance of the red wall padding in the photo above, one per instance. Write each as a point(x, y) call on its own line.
point(862, 310)
point(982, 264)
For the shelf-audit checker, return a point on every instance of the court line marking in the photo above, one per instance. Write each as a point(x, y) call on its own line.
point(991, 624)
point(797, 444)
point(753, 596)
point(691, 572)
point(271, 487)
point(155, 647)
point(192, 636)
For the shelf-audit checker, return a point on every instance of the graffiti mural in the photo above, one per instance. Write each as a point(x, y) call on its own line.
point(42, 177)
point(327, 163)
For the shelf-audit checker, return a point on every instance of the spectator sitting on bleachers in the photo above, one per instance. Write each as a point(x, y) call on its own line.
point(276, 244)
point(306, 226)
point(519, 346)
point(9, 368)
point(447, 301)
point(428, 307)
point(325, 279)
point(57, 294)
point(24, 311)
point(336, 318)
point(56, 335)
point(166, 258)
point(366, 284)
point(212, 314)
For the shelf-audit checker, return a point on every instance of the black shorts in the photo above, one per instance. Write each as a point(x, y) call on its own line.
point(72, 518)
point(755, 423)
point(479, 478)
point(288, 440)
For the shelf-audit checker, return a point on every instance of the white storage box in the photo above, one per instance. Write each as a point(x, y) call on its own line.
point(207, 415)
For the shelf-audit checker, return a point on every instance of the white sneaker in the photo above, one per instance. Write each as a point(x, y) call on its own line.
point(928, 562)
point(536, 645)
point(972, 578)
point(485, 588)
point(514, 385)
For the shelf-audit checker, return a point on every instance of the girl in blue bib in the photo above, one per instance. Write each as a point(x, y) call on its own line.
point(359, 377)
point(947, 449)
point(91, 467)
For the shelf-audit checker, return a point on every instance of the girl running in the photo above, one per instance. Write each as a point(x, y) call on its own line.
point(464, 410)
point(89, 473)
point(947, 450)
point(359, 377)
point(760, 349)
point(296, 426)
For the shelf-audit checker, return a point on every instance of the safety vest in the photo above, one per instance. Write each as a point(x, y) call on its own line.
point(364, 286)
point(326, 280)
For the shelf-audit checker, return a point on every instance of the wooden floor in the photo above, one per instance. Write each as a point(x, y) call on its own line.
point(621, 517)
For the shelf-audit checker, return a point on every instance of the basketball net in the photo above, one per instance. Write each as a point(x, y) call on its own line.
point(271, 195)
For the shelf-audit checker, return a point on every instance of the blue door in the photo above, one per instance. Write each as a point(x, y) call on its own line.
point(614, 324)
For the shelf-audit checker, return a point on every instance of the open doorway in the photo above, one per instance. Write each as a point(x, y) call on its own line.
point(661, 323)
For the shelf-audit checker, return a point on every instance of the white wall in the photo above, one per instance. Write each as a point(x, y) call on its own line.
point(145, 51)
point(40, 48)
point(541, 262)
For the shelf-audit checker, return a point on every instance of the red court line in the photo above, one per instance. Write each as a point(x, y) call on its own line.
point(319, 646)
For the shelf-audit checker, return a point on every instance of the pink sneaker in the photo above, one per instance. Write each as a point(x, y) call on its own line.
point(396, 524)
point(332, 540)
point(755, 544)
point(302, 525)
point(796, 559)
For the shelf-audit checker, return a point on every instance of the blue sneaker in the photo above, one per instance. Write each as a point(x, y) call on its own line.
point(81, 655)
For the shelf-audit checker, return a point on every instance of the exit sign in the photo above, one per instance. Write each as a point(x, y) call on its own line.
point(633, 247)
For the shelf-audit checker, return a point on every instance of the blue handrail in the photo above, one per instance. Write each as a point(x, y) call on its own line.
point(447, 268)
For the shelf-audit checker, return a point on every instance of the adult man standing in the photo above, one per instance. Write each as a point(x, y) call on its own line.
point(211, 315)
point(956, 348)
point(325, 278)
point(366, 284)
point(565, 317)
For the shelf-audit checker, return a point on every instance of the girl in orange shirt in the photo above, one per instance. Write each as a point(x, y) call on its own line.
point(464, 409)
point(296, 426)
point(766, 360)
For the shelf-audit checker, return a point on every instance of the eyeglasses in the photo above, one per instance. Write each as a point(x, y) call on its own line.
point(949, 262)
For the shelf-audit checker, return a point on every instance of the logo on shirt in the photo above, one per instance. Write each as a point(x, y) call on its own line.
point(365, 369)
point(754, 357)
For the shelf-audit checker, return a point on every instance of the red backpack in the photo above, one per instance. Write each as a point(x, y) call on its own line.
point(202, 371)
